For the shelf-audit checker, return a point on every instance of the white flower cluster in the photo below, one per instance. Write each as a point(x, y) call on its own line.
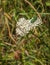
point(24, 26)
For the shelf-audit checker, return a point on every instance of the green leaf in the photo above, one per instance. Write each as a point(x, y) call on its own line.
point(1, 44)
point(29, 63)
point(34, 19)
point(47, 3)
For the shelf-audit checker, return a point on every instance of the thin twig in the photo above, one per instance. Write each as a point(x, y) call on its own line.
point(9, 30)
point(33, 8)
point(8, 16)
point(0, 9)
point(9, 44)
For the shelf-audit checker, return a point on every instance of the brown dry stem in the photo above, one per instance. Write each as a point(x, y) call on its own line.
point(33, 8)
point(10, 34)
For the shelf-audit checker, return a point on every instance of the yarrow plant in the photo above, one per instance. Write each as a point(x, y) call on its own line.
point(24, 25)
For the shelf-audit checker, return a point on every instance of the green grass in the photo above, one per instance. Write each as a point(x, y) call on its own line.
point(32, 49)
